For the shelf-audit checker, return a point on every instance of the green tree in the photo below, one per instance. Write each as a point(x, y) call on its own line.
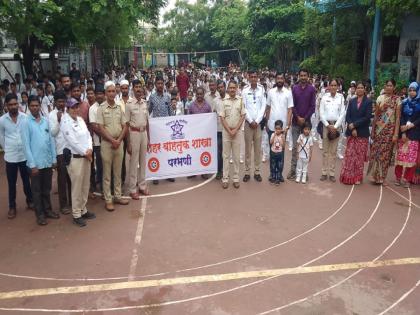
point(187, 27)
point(229, 24)
point(276, 30)
point(394, 12)
point(49, 23)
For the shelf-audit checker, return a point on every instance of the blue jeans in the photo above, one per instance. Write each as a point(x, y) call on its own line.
point(276, 165)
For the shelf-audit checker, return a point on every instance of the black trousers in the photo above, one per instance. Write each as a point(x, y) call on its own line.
point(63, 183)
point(219, 152)
point(123, 169)
point(41, 191)
point(96, 172)
point(12, 172)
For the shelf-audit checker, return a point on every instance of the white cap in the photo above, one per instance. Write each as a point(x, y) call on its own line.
point(353, 82)
point(124, 82)
point(108, 84)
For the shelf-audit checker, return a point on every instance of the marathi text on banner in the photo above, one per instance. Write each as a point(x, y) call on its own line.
point(182, 146)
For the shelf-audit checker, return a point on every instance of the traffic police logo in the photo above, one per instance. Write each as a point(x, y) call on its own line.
point(153, 165)
point(205, 158)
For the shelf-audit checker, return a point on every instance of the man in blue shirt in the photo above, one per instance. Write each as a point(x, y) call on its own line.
point(160, 106)
point(14, 156)
point(40, 159)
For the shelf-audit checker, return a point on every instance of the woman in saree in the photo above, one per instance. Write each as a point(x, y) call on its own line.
point(385, 128)
point(408, 144)
point(358, 117)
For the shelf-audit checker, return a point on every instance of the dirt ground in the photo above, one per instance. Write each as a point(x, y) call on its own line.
point(194, 248)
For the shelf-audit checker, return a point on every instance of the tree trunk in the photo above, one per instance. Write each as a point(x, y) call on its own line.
point(54, 64)
point(28, 52)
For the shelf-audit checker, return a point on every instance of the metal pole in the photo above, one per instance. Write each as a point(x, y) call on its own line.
point(374, 50)
point(418, 61)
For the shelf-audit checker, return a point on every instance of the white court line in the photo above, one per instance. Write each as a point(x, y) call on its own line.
point(182, 190)
point(403, 197)
point(144, 306)
point(199, 267)
point(403, 297)
point(137, 240)
point(351, 275)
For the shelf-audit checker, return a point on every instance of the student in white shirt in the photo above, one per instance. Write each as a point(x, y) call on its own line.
point(47, 103)
point(63, 179)
point(304, 149)
point(93, 110)
point(332, 112)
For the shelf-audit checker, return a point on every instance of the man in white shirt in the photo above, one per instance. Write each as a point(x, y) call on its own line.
point(255, 103)
point(332, 111)
point(212, 94)
point(279, 107)
point(221, 90)
point(125, 97)
point(28, 88)
point(93, 110)
point(63, 179)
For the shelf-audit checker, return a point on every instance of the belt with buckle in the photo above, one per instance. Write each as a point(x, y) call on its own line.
point(78, 156)
point(140, 129)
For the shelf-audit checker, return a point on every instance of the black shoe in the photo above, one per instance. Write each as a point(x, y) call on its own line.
point(219, 176)
point(246, 178)
point(155, 182)
point(192, 176)
point(258, 178)
point(30, 206)
point(171, 180)
point(79, 221)
point(41, 221)
point(12, 213)
point(291, 175)
point(52, 215)
point(65, 210)
point(88, 215)
point(323, 178)
point(277, 183)
point(272, 181)
point(332, 179)
point(281, 179)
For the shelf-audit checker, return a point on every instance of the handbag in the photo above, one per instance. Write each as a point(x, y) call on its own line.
point(333, 135)
point(320, 129)
point(66, 156)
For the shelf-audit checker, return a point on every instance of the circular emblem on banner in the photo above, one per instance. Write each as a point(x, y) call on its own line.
point(153, 165)
point(205, 158)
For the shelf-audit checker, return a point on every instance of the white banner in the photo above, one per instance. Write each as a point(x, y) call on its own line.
point(182, 146)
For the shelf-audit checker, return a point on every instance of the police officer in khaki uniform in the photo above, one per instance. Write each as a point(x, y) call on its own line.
point(137, 117)
point(112, 125)
point(79, 142)
point(232, 115)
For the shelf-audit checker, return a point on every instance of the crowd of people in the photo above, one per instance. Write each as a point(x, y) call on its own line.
point(86, 126)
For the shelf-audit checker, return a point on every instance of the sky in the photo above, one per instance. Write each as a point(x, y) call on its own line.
point(170, 5)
